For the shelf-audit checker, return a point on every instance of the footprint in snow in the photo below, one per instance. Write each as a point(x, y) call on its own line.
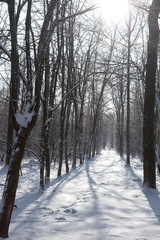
point(72, 211)
point(116, 236)
point(141, 238)
point(137, 180)
point(61, 219)
point(55, 211)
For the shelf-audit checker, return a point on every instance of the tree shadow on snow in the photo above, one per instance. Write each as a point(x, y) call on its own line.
point(152, 195)
point(92, 184)
point(57, 184)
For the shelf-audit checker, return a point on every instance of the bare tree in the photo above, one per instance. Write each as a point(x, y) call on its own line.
point(128, 87)
point(149, 98)
point(23, 121)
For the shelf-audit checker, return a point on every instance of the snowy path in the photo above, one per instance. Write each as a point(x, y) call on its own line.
point(100, 200)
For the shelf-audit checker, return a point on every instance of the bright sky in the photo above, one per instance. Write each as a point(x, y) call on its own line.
point(113, 10)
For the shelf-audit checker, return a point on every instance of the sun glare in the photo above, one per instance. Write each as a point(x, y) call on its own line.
point(113, 10)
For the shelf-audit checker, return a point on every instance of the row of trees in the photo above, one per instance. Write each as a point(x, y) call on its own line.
point(78, 82)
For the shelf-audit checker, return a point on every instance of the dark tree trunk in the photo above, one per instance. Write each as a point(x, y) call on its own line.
point(48, 165)
point(62, 115)
point(42, 173)
point(81, 138)
point(128, 90)
point(9, 135)
point(12, 181)
point(121, 147)
point(149, 99)
point(61, 145)
point(75, 133)
point(45, 155)
point(68, 103)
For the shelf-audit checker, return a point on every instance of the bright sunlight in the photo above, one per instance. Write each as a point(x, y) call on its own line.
point(113, 10)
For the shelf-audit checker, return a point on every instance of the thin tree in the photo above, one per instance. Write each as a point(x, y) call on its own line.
point(128, 87)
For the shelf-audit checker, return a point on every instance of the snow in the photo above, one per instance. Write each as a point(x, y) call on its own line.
point(102, 199)
point(25, 118)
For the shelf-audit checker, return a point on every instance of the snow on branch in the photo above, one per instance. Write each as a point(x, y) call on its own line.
point(26, 117)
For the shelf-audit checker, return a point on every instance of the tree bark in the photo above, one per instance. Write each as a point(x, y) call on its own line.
point(12, 181)
point(9, 135)
point(68, 110)
point(149, 99)
point(128, 89)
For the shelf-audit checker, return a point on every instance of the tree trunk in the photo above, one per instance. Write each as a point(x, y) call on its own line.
point(75, 133)
point(45, 158)
point(149, 99)
point(61, 144)
point(68, 103)
point(128, 89)
point(48, 165)
point(42, 173)
point(62, 116)
point(12, 181)
point(9, 135)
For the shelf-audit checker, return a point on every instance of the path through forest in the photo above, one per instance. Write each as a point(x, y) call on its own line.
point(100, 200)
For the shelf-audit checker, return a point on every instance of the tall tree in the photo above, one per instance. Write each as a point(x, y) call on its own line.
point(26, 120)
point(128, 87)
point(149, 98)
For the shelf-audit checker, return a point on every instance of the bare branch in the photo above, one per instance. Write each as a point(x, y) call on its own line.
point(4, 49)
point(20, 6)
point(31, 151)
point(93, 7)
point(5, 1)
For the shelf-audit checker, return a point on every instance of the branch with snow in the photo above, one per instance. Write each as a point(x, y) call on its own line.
point(24, 119)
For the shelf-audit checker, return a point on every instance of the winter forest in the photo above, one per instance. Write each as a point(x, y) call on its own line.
point(79, 81)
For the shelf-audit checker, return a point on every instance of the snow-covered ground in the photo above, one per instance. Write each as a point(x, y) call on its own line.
point(100, 200)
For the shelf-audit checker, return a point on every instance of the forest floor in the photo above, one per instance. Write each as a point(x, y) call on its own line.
point(102, 199)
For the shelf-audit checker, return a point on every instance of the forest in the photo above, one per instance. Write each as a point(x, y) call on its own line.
point(72, 83)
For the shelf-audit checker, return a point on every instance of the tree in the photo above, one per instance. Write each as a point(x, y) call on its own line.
point(128, 86)
point(26, 120)
point(149, 179)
